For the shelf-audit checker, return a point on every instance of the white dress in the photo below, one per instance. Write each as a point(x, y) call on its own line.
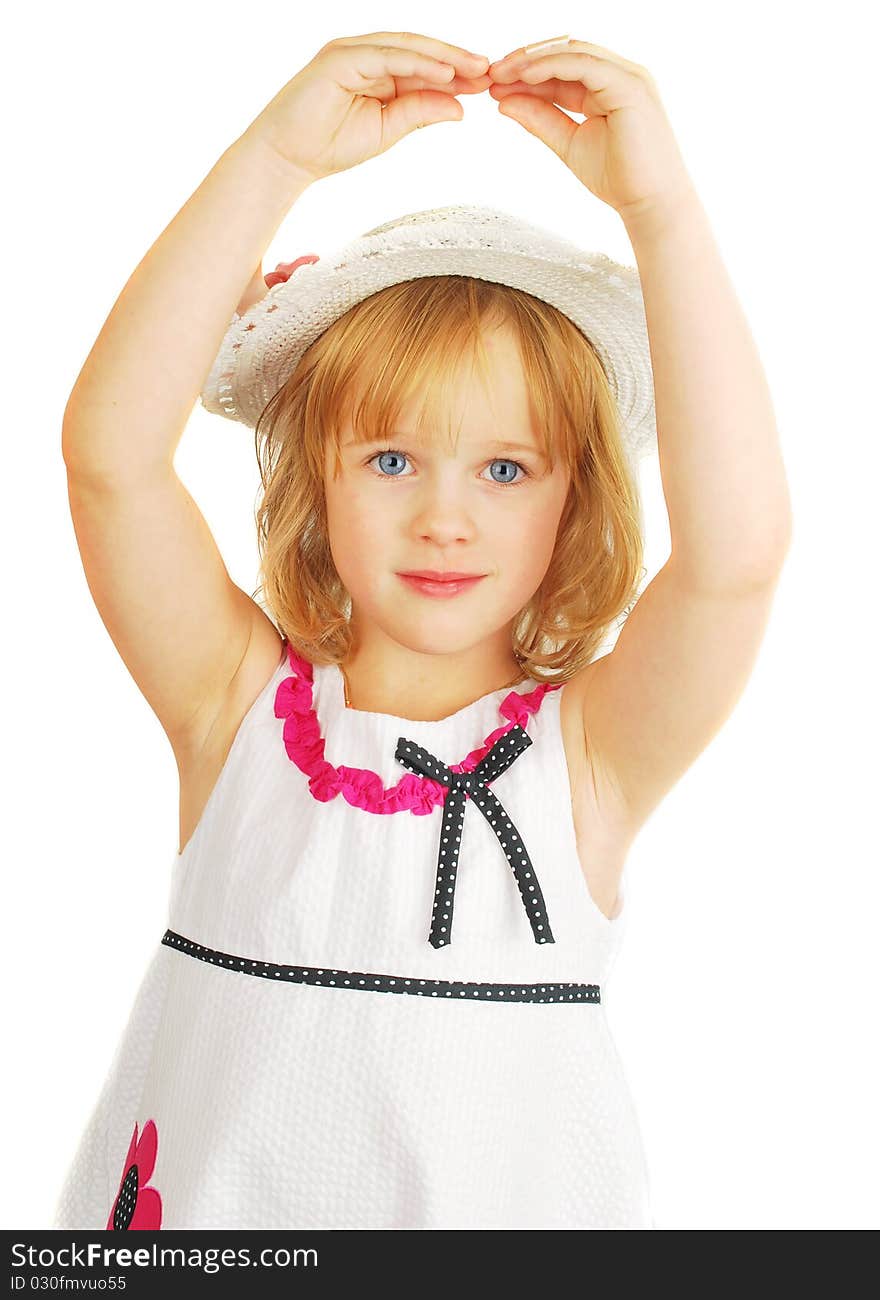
point(315, 1044)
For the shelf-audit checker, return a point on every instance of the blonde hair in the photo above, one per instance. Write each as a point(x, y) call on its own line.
point(409, 340)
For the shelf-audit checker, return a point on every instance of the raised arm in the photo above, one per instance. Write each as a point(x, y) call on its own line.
point(179, 622)
point(155, 573)
point(653, 703)
point(136, 390)
point(686, 651)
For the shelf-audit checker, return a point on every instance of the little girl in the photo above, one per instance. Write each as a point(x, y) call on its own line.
point(406, 799)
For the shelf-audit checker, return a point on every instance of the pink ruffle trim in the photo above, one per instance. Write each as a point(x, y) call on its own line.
point(358, 785)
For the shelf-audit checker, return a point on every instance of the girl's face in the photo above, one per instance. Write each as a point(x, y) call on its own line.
point(490, 506)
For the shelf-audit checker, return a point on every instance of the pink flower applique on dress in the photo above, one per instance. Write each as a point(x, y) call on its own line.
point(136, 1205)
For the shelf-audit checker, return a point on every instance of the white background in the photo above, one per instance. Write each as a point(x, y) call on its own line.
point(744, 1002)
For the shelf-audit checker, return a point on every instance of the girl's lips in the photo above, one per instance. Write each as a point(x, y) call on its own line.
point(431, 587)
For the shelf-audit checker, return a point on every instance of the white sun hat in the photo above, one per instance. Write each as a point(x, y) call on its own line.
point(602, 297)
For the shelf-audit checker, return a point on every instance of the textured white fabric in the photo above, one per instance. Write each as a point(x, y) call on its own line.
point(286, 1105)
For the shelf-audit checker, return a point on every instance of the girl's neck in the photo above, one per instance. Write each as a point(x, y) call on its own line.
point(363, 694)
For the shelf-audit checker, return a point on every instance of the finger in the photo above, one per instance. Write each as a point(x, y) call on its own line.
point(373, 70)
point(570, 95)
point(374, 61)
point(458, 86)
point(542, 120)
point(566, 94)
point(565, 45)
point(469, 85)
point(406, 113)
point(524, 50)
point(385, 72)
point(463, 60)
point(611, 86)
point(514, 69)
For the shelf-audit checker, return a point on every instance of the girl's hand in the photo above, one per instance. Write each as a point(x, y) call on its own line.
point(625, 151)
point(361, 94)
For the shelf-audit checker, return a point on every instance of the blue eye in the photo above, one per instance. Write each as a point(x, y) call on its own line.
point(392, 456)
point(515, 465)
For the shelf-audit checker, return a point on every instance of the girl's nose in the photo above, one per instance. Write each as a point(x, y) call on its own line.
point(444, 518)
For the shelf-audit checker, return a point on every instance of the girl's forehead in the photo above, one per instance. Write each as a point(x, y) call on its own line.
point(465, 418)
point(432, 437)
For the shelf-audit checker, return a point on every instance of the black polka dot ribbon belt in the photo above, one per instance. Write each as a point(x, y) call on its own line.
point(375, 982)
point(473, 785)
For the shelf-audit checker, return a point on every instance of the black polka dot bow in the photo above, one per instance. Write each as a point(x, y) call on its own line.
point(462, 785)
